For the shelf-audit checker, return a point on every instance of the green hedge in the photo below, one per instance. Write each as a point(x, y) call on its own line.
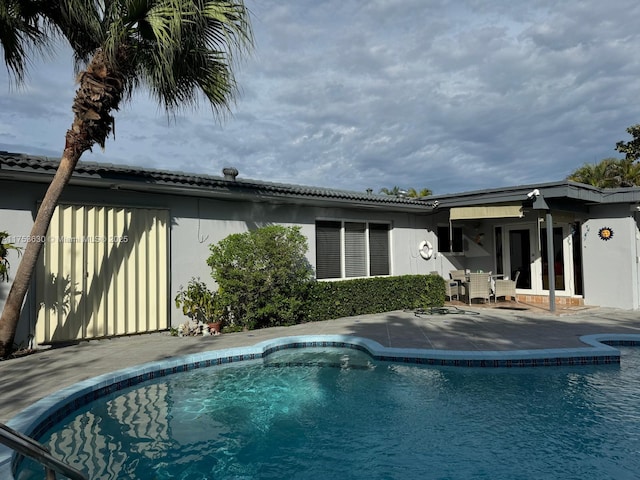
point(329, 300)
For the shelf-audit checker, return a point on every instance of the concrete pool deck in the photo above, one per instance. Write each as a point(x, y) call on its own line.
point(27, 379)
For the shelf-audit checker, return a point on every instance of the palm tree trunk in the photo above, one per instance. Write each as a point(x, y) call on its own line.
point(100, 91)
point(26, 268)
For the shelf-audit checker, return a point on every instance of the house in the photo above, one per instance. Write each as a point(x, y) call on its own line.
point(123, 239)
point(592, 246)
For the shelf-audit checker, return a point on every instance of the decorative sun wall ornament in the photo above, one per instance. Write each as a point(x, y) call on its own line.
point(605, 233)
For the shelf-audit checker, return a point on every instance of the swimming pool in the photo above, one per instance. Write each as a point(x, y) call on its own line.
point(339, 413)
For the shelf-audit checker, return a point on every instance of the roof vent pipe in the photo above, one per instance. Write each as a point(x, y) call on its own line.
point(230, 173)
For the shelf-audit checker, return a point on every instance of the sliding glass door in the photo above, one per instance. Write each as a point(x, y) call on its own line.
point(520, 256)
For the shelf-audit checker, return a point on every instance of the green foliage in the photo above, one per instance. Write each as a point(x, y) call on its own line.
point(4, 252)
point(178, 49)
point(631, 149)
point(198, 302)
point(328, 300)
point(424, 192)
point(391, 191)
point(411, 192)
point(614, 172)
point(608, 173)
point(263, 276)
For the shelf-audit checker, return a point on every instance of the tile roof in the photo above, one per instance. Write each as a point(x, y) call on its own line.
point(17, 162)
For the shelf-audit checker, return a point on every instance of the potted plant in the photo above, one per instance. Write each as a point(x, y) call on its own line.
point(200, 304)
point(4, 253)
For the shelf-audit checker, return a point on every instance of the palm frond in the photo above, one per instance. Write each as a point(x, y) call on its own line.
point(184, 51)
point(22, 35)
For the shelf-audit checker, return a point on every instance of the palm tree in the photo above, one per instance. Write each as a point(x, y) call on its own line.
point(596, 174)
point(391, 191)
point(424, 192)
point(412, 192)
point(627, 172)
point(180, 50)
point(608, 173)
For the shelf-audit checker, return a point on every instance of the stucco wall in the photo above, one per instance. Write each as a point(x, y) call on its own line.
point(198, 222)
point(610, 266)
point(476, 256)
point(17, 210)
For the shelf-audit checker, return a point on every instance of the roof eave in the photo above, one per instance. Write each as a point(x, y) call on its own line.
point(223, 189)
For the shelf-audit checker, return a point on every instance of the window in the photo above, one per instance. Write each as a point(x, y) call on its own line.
point(351, 249)
point(328, 250)
point(355, 249)
point(444, 241)
point(379, 249)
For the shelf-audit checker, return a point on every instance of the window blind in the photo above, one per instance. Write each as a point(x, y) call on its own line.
point(379, 249)
point(355, 249)
point(328, 249)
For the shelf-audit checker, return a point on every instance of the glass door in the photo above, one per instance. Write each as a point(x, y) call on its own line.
point(558, 259)
point(520, 256)
point(566, 253)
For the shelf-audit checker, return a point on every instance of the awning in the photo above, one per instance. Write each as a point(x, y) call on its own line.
point(486, 211)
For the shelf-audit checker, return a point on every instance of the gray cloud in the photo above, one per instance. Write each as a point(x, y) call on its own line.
point(449, 95)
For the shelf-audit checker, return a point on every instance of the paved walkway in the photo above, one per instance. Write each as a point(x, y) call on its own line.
point(27, 379)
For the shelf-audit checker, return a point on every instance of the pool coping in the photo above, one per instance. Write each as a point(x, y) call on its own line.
point(38, 417)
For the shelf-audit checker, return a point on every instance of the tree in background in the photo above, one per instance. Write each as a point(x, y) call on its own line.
point(411, 192)
point(631, 148)
point(614, 172)
point(180, 50)
point(600, 174)
point(425, 192)
point(391, 191)
point(262, 276)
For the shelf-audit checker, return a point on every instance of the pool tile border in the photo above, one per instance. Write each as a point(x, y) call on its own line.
point(40, 416)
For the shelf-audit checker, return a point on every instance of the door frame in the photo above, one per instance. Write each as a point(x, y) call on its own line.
point(535, 255)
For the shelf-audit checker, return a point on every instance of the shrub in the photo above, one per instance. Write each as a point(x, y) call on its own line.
point(328, 300)
point(198, 302)
point(4, 252)
point(263, 276)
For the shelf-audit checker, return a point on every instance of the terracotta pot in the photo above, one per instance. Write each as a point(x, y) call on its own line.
point(215, 327)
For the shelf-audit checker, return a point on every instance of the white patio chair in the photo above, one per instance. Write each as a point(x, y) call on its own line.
point(507, 288)
point(478, 286)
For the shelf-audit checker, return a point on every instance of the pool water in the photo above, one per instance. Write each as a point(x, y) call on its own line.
point(338, 414)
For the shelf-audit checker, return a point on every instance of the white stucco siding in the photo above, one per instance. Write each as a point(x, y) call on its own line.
point(195, 223)
point(610, 266)
point(17, 210)
point(221, 218)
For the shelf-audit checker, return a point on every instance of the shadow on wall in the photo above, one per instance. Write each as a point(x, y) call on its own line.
point(105, 297)
point(58, 293)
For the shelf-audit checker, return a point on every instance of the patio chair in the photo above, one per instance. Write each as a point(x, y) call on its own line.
point(507, 288)
point(452, 288)
point(478, 286)
point(459, 277)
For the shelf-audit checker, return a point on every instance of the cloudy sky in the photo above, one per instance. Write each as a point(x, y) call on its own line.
point(452, 95)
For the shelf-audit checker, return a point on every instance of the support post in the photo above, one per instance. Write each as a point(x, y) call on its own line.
point(551, 268)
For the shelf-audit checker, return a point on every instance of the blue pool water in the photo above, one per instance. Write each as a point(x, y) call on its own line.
point(338, 414)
